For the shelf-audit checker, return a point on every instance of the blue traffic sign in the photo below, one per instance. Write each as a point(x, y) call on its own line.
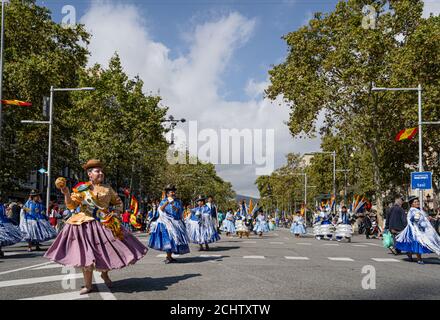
point(42, 171)
point(421, 180)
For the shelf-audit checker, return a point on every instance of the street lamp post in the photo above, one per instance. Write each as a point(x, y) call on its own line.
point(50, 123)
point(333, 153)
point(2, 42)
point(420, 123)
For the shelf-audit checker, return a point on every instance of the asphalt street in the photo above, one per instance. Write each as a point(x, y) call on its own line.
point(277, 266)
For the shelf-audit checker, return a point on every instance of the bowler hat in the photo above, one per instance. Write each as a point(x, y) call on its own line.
point(93, 163)
point(170, 187)
point(200, 198)
point(34, 193)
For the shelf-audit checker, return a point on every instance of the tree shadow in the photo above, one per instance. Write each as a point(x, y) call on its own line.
point(146, 284)
point(429, 260)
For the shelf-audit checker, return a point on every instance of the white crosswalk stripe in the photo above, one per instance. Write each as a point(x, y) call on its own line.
point(163, 255)
point(276, 242)
point(385, 260)
point(340, 259)
point(304, 243)
point(62, 296)
point(254, 257)
point(49, 266)
point(22, 282)
point(297, 258)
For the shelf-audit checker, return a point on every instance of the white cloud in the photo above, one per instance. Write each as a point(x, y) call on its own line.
point(431, 6)
point(190, 83)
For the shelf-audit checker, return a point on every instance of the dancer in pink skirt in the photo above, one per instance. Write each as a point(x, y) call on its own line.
point(93, 239)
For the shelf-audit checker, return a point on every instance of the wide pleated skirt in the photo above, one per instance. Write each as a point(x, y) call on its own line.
point(36, 230)
point(93, 245)
point(162, 240)
point(406, 242)
point(261, 226)
point(298, 229)
point(228, 226)
point(9, 234)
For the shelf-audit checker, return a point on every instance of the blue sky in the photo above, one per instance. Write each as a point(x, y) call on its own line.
point(168, 19)
point(208, 59)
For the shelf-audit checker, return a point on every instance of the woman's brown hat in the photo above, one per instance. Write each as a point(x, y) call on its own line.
point(93, 163)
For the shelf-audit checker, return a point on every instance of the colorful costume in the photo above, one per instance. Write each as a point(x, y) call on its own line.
point(201, 226)
point(344, 228)
point(261, 224)
point(34, 224)
point(240, 226)
point(228, 224)
point(9, 234)
point(297, 227)
point(272, 225)
point(169, 233)
point(419, 236)
point(93, 236)
point(323, 228)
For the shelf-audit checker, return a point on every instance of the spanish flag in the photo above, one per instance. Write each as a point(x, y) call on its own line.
point(17, 103)
point(406, 134)
point(134, 205)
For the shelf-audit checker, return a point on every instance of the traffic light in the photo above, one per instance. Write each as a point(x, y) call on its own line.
point(46, 102)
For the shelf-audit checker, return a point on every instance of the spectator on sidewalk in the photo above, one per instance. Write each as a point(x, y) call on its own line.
point(396, 221)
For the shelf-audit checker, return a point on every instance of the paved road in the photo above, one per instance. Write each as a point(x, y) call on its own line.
point(277, 266)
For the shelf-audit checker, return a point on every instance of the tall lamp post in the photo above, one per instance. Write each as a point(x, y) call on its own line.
point(173, 123)
point(50, 123)
point(333, 153)
point(2, 42)
point(419, 90)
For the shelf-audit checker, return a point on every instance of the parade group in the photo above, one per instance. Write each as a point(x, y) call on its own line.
point(94, 237)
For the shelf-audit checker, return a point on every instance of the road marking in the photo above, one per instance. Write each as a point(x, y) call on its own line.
point(276, 242)
point(340, 259)
point(50, 266)
point(286, 238)
point(210, 256)
point(104, 291)
point(163, 255)
point(22, 282)
point(385, 260)
point(62, 296)
point(331, 244)
point(254, 257)
point(297, 258)
point(276, 234)
point(373, 244)
point(304, 244)
point(249, 241)
point(359, 245)
point(25, 268)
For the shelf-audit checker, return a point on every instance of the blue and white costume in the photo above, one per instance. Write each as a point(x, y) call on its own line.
point(272, 224)
point(298, 225)
point(261, 225)
point(228, 224)
point(34, 224)
point(344, 228)
point(419, 236)
point(323, 228)
point(201, 226)
point(9, 233)
point(169, 234)
point(240, 223)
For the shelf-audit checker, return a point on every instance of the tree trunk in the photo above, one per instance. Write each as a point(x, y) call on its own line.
point(377, 184)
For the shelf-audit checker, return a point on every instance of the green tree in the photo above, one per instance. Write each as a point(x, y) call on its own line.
point(332, 66)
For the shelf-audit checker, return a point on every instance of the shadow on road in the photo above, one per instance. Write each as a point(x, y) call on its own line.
point(220, 249)
point(200, 259)
point(134, 285)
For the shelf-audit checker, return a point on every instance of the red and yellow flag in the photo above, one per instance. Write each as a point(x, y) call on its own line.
point(17, 103)
point(134, 205)
point(406, 134)
point(251, 206)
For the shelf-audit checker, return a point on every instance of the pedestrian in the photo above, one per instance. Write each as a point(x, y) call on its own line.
point(9, 233)
point(214, 211)
point(34, 223)
point(169, 233)
point(93, 238)
point(419, 236)
point(126, 220)
point(396, 221)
